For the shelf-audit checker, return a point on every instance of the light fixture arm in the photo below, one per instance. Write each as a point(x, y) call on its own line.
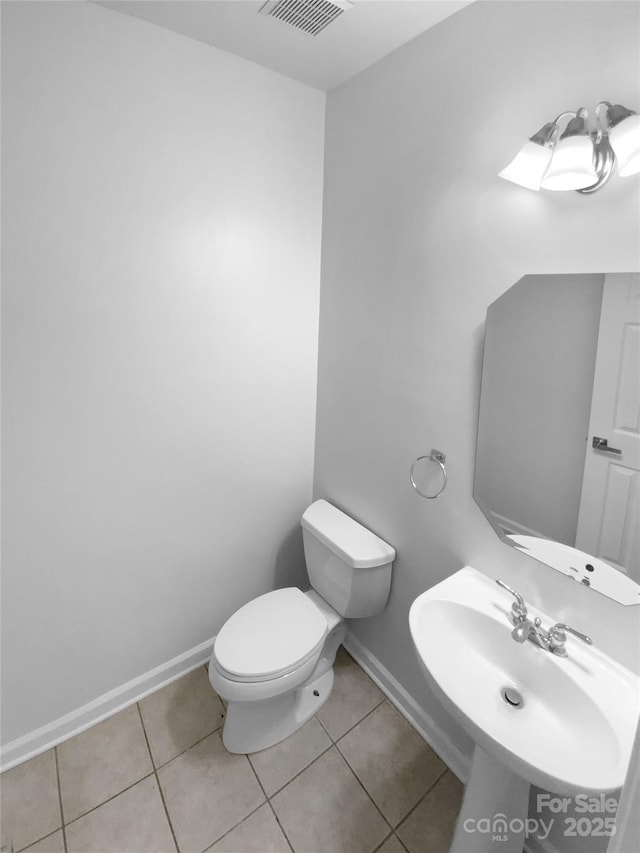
point(604, 158)
point(548, 134)
point(559, 118)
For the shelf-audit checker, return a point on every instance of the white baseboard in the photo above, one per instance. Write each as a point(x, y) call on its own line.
point(104, 706)
point(430, 731)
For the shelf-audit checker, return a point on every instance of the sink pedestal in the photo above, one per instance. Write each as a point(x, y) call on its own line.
point(494, 809)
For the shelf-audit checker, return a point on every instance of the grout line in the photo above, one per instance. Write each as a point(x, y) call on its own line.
point(246, 817)
point(146, 737)
point(357, 778)
point(31, 843)
point(270, 804)
point(422, 798)
point(108, 800)
point(155, 774)
point(300, 772)
point(383, 842)
point(235, 826)
point(282, 829)
point(248, 757)
point(331, 746)
point(166, 811)
point(351, 728)
point(122, 790)
point(315, 717)
point(58, 828)
point(195, 743)
point(268, 798)
point(401, 842)
point(64, 832)
point(355, 725)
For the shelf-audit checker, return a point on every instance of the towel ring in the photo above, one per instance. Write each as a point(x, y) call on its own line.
point(435, 456)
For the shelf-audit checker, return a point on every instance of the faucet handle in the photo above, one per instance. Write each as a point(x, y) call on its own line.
point(559, 634)
point(518, 606)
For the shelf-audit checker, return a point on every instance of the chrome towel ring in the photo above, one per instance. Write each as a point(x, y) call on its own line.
point(439, 458)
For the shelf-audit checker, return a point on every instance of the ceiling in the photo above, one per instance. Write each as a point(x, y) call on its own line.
point(352, 42)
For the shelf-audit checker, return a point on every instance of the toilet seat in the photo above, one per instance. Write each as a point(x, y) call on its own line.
point(271, 636)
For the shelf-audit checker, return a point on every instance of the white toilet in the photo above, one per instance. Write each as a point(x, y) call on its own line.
point(273, 659)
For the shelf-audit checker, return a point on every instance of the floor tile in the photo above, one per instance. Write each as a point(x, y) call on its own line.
point(430, 826)
point(30, 802)
point(391, 845)
point(101, 762)
point(325, 809)
point(391, 760)
point(133, 821)
point(113, 803)
point(207, 792)
point(51, 844)
point(259, 833)
point(180, 714)
point(353, 696)
point(280, 763)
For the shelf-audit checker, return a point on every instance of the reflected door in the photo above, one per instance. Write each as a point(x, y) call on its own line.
point(608, 521)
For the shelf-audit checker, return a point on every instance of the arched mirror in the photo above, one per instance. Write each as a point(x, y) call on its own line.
point(558, 453)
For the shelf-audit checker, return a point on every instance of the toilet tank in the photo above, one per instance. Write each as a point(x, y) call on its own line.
point(348, 565)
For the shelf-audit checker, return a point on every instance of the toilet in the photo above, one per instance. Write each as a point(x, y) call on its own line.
point(273, 659)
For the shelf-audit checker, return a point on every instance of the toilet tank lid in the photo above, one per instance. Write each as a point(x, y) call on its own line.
point(350, 541)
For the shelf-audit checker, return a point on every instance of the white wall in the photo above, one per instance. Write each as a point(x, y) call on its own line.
point(162, 214)
point(419, 237)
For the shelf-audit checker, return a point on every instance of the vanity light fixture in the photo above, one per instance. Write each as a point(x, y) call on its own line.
point(581, 157)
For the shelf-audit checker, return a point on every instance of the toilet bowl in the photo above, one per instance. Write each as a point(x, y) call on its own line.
point(272, 661)
point(270, 692)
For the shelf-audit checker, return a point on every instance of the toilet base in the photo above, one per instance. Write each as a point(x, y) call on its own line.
point(252, 726)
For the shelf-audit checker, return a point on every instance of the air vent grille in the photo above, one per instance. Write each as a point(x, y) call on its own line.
point(310, 16)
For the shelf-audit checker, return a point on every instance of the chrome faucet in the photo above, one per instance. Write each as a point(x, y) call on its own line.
point(553, 640)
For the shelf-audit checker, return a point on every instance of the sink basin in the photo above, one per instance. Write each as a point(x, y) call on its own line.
point(572, 726)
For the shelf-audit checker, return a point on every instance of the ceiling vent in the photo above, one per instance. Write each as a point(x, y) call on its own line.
point(310, 16)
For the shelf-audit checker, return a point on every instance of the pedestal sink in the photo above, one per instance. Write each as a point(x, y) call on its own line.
point(565, 724)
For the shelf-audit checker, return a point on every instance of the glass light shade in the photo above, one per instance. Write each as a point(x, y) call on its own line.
point(528, 166)
point(625, 141)
point(572, 165)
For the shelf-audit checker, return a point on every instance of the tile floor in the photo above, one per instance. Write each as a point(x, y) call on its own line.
point(155, 778)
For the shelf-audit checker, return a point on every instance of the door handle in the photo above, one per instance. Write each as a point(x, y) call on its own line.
point(602, 444)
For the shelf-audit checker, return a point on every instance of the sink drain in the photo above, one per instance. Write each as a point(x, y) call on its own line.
point(512, 697)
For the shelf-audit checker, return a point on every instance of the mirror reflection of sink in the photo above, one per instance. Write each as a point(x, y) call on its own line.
point(580, 566)
point(565, 724)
